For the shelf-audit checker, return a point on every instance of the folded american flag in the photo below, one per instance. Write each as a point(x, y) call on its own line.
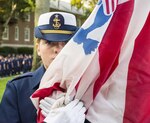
point(106, 64)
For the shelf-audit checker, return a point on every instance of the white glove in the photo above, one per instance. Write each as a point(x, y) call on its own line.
point(49, 103)
point(74, 112)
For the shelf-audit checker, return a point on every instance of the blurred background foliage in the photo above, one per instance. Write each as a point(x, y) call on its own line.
point(15, 9)
point(86, 5)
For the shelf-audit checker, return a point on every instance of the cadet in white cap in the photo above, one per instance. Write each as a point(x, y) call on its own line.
point(54, 30)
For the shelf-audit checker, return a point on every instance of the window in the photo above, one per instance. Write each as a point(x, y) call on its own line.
point(16, 33)
point(27, 17)
point(27, 34)
point(6, 33)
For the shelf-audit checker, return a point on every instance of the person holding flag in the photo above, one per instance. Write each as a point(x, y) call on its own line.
point(54, 30)
point(111, 75)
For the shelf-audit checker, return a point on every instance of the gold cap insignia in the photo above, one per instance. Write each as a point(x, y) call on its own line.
point(56, 23)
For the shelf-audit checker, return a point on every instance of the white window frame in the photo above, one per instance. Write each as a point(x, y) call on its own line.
point(16, 33)
point(5, 35)
point(26, 34)
point(27, 17)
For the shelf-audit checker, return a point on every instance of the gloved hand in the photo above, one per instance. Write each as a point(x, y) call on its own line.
point(49, 103)
point(74, 112)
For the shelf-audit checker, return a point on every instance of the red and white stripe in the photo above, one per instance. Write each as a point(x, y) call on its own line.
point(121, 92)
point(109, 6)
point(114, 81)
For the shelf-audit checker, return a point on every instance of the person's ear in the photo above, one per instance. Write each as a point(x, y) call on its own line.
point(38, 47)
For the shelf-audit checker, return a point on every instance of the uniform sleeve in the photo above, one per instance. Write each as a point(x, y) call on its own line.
point(9, 105)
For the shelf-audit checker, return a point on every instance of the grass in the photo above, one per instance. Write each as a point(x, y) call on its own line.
point(3, 82)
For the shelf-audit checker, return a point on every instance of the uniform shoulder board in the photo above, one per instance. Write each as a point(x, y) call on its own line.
point(29, 74)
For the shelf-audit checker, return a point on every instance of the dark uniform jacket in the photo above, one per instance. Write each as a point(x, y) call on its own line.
point(16, 106)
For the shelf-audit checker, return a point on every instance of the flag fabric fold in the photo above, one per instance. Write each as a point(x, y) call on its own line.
point(102, 64)
point(111, 100)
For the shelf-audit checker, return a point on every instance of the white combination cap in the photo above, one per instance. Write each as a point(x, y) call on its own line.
point(56, 26)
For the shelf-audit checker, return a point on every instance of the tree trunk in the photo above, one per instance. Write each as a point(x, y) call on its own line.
point(1, 33)
point(42, 6)
point(4, 25)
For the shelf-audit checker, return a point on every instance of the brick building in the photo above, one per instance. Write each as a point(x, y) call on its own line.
point(21, 34)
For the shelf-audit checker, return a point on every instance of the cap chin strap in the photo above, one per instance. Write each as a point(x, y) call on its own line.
point(43, 31)
point(57, 31)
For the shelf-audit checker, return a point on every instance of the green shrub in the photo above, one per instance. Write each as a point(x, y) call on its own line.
point(25, 50)
point(20, 50)
point(7, 50)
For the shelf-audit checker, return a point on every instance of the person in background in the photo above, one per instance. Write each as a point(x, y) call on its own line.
point(54, 30)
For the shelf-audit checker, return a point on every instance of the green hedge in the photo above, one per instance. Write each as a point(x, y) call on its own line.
point(25, 50)
point(20, 50)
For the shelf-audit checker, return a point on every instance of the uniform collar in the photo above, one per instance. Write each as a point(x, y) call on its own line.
point(37, 76)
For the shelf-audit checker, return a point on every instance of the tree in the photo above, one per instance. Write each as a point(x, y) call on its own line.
point(41, 7)
point(86, 5)
point(13, 10)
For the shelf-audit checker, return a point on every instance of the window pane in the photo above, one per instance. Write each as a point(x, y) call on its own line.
point(16, 33)
point(6, 34)
point(27, 34)
point(27, 17)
